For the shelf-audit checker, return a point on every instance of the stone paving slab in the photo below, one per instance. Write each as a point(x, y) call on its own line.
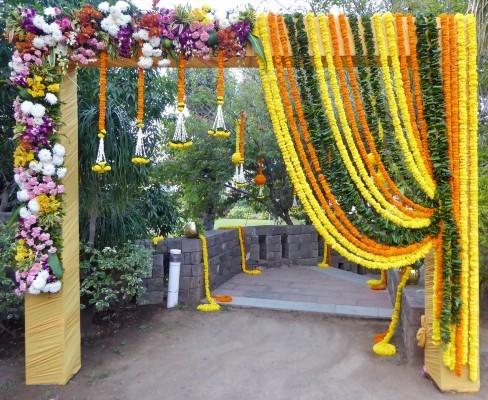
point(330, 291)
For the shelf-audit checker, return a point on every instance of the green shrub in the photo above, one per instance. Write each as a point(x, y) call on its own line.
point(112, 278)
point(10, 303)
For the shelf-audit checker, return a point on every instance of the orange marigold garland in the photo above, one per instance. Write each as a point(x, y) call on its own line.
point(101, 166)
point(181, 140)
point(260, 179)
point(140, 153)
point(218, 128)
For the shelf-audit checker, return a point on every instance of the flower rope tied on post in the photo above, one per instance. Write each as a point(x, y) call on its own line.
point(378, 284)
point(239, 179)
point(383, 347)
point(212, 303)
point(242, 244)
point(181, 140)
point(325, 263)
point(219, 129)
point(140, 153)
point(101, 166)
point(260, 179)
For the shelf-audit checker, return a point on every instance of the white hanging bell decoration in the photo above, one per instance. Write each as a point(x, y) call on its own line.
point(218, 128)
point(101, 166)
point(180, 140)
point(140, 153)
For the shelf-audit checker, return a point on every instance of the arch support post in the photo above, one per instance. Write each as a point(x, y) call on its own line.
point(52, 321)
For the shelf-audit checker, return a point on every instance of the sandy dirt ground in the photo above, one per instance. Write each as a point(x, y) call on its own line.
point(235, 354)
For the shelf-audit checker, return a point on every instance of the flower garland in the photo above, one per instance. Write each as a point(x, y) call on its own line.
point(380, 204)
point(242, 244)
point(473, 356)
point(218, 128)
point(381, 177)
point(237, 158)
point(297, 177)
point(140, 153)
point(181, 140)
point(421, 140)
point(356, 238)
point(412, 156)
point(212, 303)
point(101, 166)
point(383, 347)
point(260, 179)
point(378, 284)
point(325, 263)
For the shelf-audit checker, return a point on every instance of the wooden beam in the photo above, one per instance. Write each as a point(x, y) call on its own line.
point(52, 321)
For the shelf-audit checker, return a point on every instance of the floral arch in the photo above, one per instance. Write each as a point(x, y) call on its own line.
point(346, 95)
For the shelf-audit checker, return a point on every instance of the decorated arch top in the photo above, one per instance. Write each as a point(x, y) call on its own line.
point(124, 31)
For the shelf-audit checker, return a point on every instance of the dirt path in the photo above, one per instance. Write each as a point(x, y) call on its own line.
point(235, 355)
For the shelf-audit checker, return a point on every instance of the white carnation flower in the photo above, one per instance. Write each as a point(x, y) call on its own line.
point(58, 160)
point(104, 6)
point(33, 206)
point(39, 22)
point(33, 291)
point(51, 98)
point(143, 35)
point(17, 179)
point(40, 280)
point(164, 62)
point(56, 32)
point(50, 41)
point(155, 41)
point(38, 110)
point(50, 11)
point(122, 6)
point(35, 166)
point(45, 156)
point(48, 169)
point(59, 149)
point(147, 50)
point(23, 196)
point(145, 62)
point(24, 213)
point(233, 18)
point(157, 52)
point(53, 287)
point(61, 172)
point(39, 42)
point(26, 107)
point(224, 23)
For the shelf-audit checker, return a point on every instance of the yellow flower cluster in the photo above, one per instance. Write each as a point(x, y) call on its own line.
point(101, 167)
point(156, 239)
point(413, 160)
point(180, 145)
point(473, 356)
point(384, 347)
point(360, 176)
point(48, 203)
point(212, 304)
point(202, 14)
point(23, 253)
point(22, 156)
point(325, 228)
point(36, 87)
point(140, 160)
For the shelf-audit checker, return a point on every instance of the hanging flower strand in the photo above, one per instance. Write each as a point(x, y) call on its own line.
point(239, 179)
point(180, 139)
point(140, 153)
point(218, 128)
point(101, 166)
point(260, 179)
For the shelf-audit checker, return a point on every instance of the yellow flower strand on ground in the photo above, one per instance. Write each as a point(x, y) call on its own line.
point(463, 179)
point(242, 245)
point(384, 347)
point(389, 22)
point(325, 263)
point(473, 356)
point(356, 170)
point(418, 175)
point(297, 176)
point(212, 304)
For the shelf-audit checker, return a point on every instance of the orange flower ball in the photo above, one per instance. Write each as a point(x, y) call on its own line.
point(260, 180)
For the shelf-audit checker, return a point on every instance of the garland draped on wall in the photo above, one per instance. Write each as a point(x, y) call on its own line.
point(389, 140)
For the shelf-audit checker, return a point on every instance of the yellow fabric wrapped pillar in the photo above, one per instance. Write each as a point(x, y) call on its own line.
point(52, 321)
point(445, 379)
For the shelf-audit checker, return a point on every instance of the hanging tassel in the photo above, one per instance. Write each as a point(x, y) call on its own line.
point(181, 140)
point(218, 128)
point(140, 153)
point(294, 206)
point(260, 195)
point(101, 166)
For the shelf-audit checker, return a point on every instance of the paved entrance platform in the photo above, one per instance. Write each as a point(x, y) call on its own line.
point(329, 291)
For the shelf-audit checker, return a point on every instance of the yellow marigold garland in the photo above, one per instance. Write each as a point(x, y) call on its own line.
point(378, 284)
point(411, 155)
point(369, 191)
point(212, 304)
point(473, 356)
point(322, 224)
point(384, 347)
point(325, 263)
